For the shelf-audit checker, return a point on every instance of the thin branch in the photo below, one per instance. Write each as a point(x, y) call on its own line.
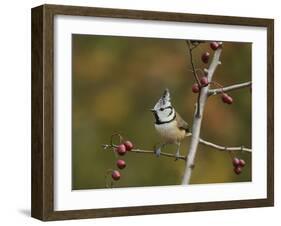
point(229, 88)
point(162, 153)
point(223, 148)
point(201, 141)
point(195, 76)
point(108, 146)
point(192, 64)
point(197, 120)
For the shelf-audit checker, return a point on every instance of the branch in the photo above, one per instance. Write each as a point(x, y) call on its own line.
point(112, 147)
point(197, 120)
point(224, 148)
point(165, 154)
point(194, 74)
point(192, 64)
point(229, 88)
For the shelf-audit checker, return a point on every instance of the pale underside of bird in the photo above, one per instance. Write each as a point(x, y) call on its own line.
point(169, 124)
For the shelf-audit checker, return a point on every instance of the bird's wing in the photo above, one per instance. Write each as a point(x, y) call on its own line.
point(183, 125)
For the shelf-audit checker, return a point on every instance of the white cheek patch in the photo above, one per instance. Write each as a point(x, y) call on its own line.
point(167, 112)
point(166, 115)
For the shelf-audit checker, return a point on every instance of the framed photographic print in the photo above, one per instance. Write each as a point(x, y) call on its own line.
point(141, 112)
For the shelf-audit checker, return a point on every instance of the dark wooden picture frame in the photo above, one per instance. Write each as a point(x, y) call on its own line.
point(42, 203)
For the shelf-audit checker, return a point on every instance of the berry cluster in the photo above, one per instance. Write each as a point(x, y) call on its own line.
point(206, 55)
point(238, 165)
point(203, 82)
point(205, 59)
point(121, 150)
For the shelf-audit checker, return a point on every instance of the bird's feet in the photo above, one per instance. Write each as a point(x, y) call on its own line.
point(158, 151)
point(177, 155)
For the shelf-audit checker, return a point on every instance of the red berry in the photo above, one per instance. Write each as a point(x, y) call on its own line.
point(227, 99)
point(205, 57)
point(237, 170)
point(121, 164)
point(214, 45)
point(204, 81)
point(195, 88)
point(236, 162)
point(129, 145)
point(242, 163)
point(115, 175)
point(121, 149)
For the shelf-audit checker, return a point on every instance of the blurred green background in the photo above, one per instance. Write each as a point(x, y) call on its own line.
point(117, 79)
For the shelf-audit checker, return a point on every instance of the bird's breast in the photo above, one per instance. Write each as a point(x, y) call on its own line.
point(170, 132)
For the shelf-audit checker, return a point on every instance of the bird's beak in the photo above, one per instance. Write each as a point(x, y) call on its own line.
point(152, 110)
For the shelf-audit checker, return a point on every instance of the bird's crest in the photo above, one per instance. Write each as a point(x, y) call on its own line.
point(164, 101)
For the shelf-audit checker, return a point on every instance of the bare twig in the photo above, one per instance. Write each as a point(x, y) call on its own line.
point(223, 148)
point(197, 120)
point(191, 61)
point(229, 88)
point(195, 75)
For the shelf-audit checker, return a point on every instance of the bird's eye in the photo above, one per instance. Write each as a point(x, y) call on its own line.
point(161, 109)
